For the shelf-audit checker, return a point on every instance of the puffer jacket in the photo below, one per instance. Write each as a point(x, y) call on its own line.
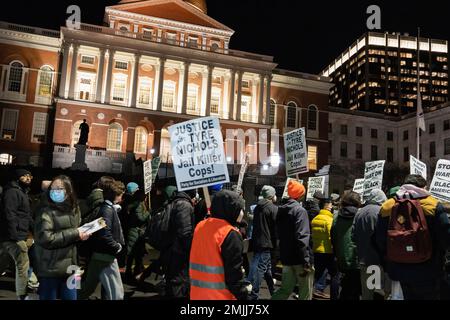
point(321, 232)
point(93, 202)
point(138, 219)
point(439, 228)
point(55, 235)
point(341, 239)
point(16, 220)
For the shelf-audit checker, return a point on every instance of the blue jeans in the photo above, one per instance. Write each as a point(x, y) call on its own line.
point(52, 288)
point(260, 266)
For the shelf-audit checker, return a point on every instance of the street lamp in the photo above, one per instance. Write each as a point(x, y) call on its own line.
point(152, 151)
point(275, 160)
point(265, 167)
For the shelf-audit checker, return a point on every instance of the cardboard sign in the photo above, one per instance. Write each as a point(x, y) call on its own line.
point(148, 176)
point(373, 177)
point(358, 187)
point(440, 186)
point(285, 192)
point(296, 152)
point(315, 184)
point(417, 167)
point(198, 154)
point(242, 172)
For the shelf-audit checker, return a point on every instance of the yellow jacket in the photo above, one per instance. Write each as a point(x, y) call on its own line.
point(320, 229)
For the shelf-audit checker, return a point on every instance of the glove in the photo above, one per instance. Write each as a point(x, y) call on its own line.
point(117, 207)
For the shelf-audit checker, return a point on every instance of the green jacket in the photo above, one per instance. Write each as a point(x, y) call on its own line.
point(341, 239)
point(138, 219)
point(55, 235)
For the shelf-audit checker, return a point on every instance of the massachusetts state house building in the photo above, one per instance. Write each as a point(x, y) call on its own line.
point(151, 64)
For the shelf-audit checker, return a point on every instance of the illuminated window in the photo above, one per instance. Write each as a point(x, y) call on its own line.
point(168, 98)
point(140, 140)
point(192, 98)
point(145, 92)
point(215, 101)
point(312, 157)
point(39, 131)
point(15, 77)
point(87, 60)
point(165, 152)
point(114, 138)
point(121, 65)
point(119, 88)
point(5, 159)
point(272, 113)
point(9, 124)
point(245, 109)
point(45, 82)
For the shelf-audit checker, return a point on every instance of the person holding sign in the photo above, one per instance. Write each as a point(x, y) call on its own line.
point(415, 261)
point(56, 234)
point(295, 246)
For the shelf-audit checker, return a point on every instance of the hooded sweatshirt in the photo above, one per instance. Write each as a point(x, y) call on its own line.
point(341, 239)
point(364, 228)
point(264, 218)
point(294, 233)
point(227, 206)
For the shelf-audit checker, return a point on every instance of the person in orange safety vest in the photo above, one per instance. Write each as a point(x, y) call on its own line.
point(215, 266)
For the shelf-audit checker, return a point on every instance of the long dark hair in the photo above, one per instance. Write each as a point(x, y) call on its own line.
point(71, 200)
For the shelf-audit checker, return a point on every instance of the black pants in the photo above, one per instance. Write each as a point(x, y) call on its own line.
point(429, 290)
point(351, 285)
point(326, 261)
point(136, 255)
point(176, 270)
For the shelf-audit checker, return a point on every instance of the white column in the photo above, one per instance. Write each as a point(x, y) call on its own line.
point(208, 91)
point(136, 28)
point(162, 63)
point(254, 100)
point(134, 84)
point(268, 85)
point(226, 96)
point(204, 85)
point(232, 94)
point(261, 100)
point(101, 67)
point(109, 76)
point(73, 72)
point(111, 24)
point(204, 42)
point(159, 35)
point(181, 73)
point(185, 88)
point(182, 40)
point(64, 67)
point(239, 96)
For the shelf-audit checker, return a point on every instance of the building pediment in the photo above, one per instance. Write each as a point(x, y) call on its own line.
point(174, 10)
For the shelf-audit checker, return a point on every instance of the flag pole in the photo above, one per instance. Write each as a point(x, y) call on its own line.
point(418, 93)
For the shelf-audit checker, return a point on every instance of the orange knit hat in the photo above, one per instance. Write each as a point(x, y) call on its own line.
point(295, 189)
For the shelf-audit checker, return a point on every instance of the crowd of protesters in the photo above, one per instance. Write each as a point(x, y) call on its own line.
point(214, 250)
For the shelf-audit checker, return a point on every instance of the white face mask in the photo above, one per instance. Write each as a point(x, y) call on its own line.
point(241, 216)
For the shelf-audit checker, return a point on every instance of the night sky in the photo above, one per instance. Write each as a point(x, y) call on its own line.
point(302, 35)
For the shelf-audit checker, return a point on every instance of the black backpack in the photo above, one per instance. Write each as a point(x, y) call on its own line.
point(157, 232)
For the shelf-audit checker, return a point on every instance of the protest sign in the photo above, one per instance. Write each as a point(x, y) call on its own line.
point(358, 187)
point(373, 177)
point(418, 167)
point(242, 172)
point(148, 176)
point(315, 184)
point(198, 154)
point(440, 186)
point(296, 152)
point(156, 162)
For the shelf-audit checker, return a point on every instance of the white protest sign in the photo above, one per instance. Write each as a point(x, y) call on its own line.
point(325, 171)
point(296, 152)
point(418, 167)
point(242, 172)
point(285, 192)
point(197, 153)
point(148, 176)
point(440, 186)
point(373, 177)
point(358, 187)
point(315, 184)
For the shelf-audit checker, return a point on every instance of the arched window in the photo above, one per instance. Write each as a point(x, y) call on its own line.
point(140, 140)
point(76, 132)
point(291, 115)
point(15, 77)
point(272, 112)
point(165, 149)
point(114, 139)
point(45, 81)
point(312, 118)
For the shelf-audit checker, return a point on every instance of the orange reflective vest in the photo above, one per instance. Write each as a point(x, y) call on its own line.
point(206, 268)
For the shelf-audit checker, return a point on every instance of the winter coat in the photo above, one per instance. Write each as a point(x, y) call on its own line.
point(108, 240)
point(321, 232)
point(55, 235)
point(15, 218)
point(264, 219)
point(294, 234)
point(93, 202)
point(439, 229)
point(137, 222)
point(341, 239)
